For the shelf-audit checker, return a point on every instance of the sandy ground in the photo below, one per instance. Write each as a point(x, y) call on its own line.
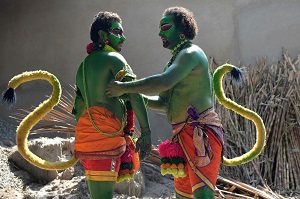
point(17, 184)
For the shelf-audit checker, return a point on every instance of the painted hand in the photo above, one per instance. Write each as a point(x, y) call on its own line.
point(114, 89)
point(143, 145)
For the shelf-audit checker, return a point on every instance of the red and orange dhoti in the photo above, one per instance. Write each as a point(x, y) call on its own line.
point(201, 140)
point(99, 144)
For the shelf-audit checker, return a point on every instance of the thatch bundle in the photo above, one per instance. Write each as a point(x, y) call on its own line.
point(273, 91)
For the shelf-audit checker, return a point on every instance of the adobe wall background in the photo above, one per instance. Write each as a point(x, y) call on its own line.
point(52, 35)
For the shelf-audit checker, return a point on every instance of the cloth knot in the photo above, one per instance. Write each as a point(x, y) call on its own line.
point(193, 113)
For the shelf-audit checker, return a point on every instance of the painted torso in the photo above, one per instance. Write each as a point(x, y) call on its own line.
point(194, 89)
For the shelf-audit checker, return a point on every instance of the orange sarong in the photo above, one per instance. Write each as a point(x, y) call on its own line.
point(100, 154)
point(199, 176)
point(91, 144)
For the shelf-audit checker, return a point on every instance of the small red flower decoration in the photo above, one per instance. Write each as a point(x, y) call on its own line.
point(90, 48)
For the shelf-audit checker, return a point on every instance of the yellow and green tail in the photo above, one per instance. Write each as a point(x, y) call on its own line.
point(251, 115)
point(35, 116)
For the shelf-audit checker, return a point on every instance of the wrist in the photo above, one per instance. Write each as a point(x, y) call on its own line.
point(145, 131)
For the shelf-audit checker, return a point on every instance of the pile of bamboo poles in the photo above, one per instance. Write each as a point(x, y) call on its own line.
point(273, 91)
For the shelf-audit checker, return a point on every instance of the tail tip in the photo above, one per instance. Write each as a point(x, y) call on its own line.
point(9, 96)
point(237, 74)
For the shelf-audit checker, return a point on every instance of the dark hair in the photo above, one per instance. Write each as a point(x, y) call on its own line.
point(184, 18)
point(102, 21)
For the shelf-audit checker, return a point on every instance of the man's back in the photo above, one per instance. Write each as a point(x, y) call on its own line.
point(97, 74)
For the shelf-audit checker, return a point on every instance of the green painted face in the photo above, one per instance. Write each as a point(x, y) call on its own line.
point(116, 37)
point(169, 33)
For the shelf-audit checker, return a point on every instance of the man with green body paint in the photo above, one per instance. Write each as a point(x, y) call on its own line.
point(99, 137)
point(185, 93)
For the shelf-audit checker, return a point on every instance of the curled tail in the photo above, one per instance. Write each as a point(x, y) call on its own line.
point(251, 115)
point(35, 116)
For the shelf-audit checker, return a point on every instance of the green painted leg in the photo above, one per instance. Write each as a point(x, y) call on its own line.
point(103, 190)
point(179, 197)
point(204, 193)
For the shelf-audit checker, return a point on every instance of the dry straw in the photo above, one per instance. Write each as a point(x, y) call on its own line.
point(273, 91)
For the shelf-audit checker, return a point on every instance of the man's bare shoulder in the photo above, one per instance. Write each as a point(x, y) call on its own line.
point(194, 49)
point(193, 53)
point(116, 58)
point(104, 57)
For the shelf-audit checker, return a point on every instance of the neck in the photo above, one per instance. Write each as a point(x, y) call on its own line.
point(91, 47)
point(176, 50)
point(108, 48)
point(179, 46)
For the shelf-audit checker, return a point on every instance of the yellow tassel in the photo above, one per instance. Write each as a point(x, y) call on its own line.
point(163, 172)
point(181, 173)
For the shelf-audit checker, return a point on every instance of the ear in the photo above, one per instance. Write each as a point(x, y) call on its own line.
point(102, 35)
